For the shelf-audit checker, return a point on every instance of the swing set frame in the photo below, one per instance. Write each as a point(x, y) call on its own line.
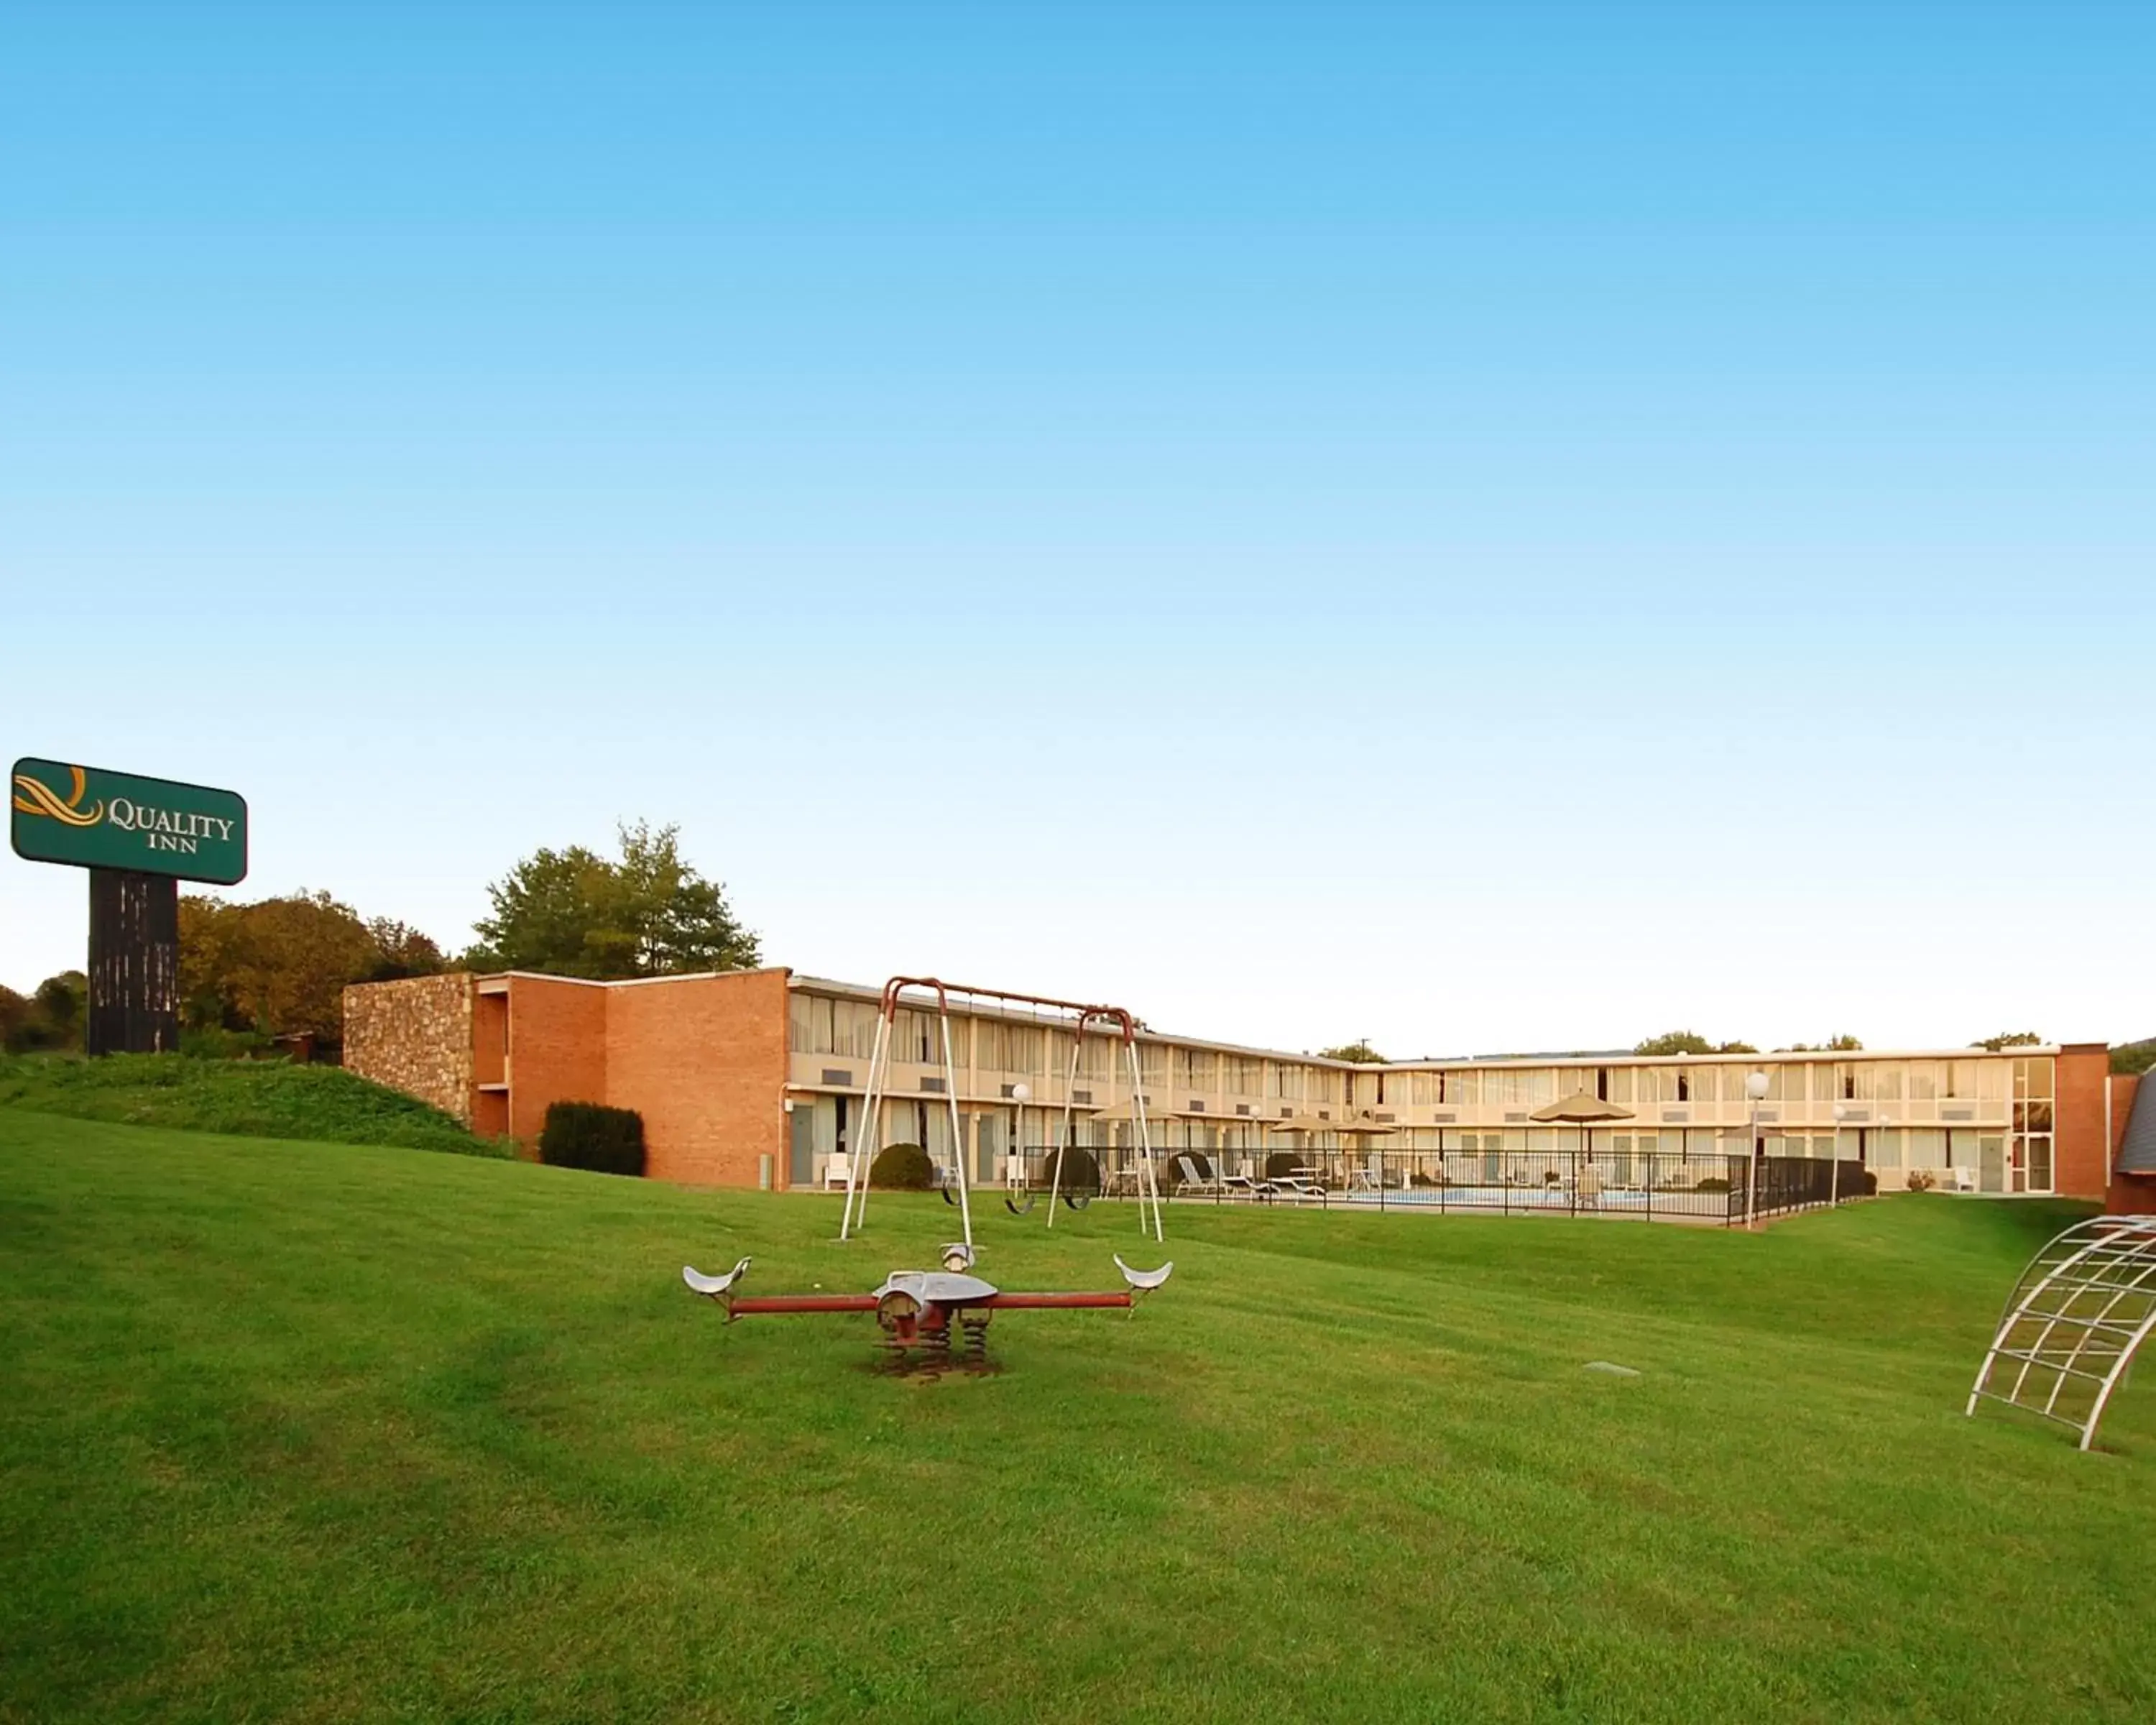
point(1116, 1020)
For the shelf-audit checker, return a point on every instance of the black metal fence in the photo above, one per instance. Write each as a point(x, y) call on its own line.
point(1650, 1185)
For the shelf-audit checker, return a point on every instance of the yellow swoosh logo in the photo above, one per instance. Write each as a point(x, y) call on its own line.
point(32, 796)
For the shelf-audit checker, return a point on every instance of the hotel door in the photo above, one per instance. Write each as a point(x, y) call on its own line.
point(1991, 1163)
point(801, 1150)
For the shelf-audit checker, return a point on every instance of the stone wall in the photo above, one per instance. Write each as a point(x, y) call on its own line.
point(414, 1034)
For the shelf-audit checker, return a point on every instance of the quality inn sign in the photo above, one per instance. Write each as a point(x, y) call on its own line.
point(97, 819)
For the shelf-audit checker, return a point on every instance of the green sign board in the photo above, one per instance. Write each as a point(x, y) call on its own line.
point(97, 819)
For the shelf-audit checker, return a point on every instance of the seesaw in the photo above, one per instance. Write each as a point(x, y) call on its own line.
point(915, 1308)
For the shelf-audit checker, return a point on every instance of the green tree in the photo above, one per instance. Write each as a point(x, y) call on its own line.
point(279, 966)
point(577, 913)
point(56, 1015)
point(2010, 1038)
point(2134, 1056)
point(1674, 1042)
point(1361, 1053)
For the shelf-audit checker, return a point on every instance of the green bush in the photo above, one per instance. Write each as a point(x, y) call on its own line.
point(1283, 1162)
point(1169, 1162)
point(1081, 1173)
point(1712, 1183)
point(592, 1137)
point(902, 1168)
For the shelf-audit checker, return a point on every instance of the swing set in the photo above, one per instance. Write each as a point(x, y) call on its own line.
point(1078, 1018)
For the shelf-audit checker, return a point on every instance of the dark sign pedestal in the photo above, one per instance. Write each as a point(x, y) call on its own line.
point(134, 962)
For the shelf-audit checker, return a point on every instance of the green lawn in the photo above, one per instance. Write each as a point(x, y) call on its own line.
point(263, 1099)
point(305, 1431)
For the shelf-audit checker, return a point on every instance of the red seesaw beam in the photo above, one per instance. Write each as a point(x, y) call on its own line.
point(750, 1305)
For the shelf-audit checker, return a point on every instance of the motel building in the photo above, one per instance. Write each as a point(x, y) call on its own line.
point(756, 1078)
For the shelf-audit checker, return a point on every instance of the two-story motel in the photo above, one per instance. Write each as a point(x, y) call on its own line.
point(757, 1077)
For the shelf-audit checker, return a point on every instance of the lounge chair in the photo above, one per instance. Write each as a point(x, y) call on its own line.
point(1193, 1180)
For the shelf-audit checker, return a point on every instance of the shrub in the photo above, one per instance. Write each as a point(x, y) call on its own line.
point(1081, 1173)
point(1921, 1179)
point(902, 1168)
point(592, 1137)
point(1169, 1163)
point(1712, 1183)
point(1283, 1162)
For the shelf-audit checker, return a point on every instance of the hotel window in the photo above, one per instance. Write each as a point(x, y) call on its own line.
point(1464, 1087)
point(1884, 1149)
point(1424, 1089)
point(1991, 1078)
point(1538, 1087)
point(1887, 1082)
point(1241, 1076)
point(1323, 1085)
point(1704, 1087)
point(2033, 1077)
point(801, 1024)
point(1287, 1081)
point(1927, 1146)
point(1198, 1066)
point(991, 1047)
point(1152, 1064)
point(1622, 1081)
point(1095, 1059)
point(1924, 1081)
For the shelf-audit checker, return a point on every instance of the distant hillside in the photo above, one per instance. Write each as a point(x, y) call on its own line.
point(263, 1099)
point(2134, 1056)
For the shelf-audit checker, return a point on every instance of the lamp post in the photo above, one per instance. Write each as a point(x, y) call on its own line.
point(1755, 1093)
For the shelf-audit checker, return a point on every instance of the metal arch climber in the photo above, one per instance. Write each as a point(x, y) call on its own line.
point(876, 1092)
point(2086, 1301)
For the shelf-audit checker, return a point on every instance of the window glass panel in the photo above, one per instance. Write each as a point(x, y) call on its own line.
point(1991, 1079)
point(1705, 1083)
point(1887, 1081)
point(1465, 1087)
point(1884, 1149)
point(2039, 1164)
point(1623, 1084)
point(1924, 1081)
point(1538, 1088)
point(800, 1019)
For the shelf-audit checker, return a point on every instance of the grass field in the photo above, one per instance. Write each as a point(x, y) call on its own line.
point(304, 1431)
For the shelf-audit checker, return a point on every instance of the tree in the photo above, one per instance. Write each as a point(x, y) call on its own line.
point(401, 951)
point(1833, 1044)
point(279, 966)
point(1674, 1042)
point(1689, 1042)
point(56, 1015)
point(1361, 1053)
point(577, 913)
point(2134, 1056)
point(2010, 1039)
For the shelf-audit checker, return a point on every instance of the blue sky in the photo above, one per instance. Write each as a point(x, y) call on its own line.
point(1483, 526)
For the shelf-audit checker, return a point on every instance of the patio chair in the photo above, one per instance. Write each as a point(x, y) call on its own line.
point(834, 1172)
point(1193, 1180)
point(1242, 1186)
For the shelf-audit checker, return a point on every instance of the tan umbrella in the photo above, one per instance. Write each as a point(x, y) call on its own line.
point(1362, 1129)
point(1581, 1110)
point(1302, 1123)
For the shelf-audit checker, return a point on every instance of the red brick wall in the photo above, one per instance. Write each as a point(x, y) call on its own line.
point(558, 1048)
point(703, 1059)
point(2083, 1147)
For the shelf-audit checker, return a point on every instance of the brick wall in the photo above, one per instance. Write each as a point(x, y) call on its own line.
point(558, 1048)
point(2081, 1146)
point(703, 1060)
point(414, 1034)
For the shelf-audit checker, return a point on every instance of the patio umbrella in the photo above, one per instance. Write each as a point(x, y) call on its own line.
point(1581, 1110)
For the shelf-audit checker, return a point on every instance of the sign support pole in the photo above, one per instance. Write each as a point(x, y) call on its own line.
point(134, 962)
